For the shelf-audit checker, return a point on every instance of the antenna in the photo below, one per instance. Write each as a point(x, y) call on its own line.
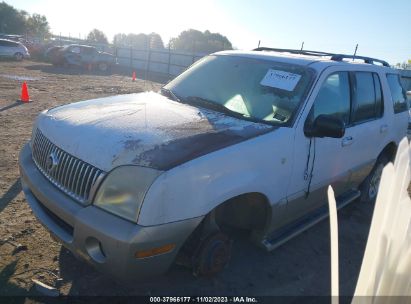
point(355, 52)
point(302, 46)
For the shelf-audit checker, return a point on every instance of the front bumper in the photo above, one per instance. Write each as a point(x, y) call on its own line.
point(106, 241)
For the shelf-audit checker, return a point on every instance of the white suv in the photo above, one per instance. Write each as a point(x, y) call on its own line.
point(13, 49)
point(241, 141)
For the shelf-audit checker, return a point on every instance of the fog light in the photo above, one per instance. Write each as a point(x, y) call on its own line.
point(95, 250)
point(154, 251)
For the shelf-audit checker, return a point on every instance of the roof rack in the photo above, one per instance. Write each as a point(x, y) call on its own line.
point(369, 60)
point(334, 57)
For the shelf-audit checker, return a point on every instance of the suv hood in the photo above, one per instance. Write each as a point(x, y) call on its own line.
point(144, 129)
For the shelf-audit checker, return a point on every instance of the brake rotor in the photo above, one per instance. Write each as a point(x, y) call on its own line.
point(213, 256)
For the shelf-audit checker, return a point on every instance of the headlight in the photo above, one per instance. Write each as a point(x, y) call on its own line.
point(123, 190)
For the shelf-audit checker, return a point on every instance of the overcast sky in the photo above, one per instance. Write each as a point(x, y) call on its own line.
point(381, 28)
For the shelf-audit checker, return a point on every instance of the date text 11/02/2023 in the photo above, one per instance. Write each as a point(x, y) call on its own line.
point(203, 300)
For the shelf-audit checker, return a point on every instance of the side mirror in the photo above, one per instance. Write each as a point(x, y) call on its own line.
point(326, 126)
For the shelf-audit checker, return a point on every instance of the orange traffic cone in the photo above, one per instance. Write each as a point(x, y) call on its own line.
point(24, 93)
point(134, 76)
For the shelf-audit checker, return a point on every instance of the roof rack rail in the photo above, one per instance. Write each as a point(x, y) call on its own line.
point(369, 60)
point(334, 57)
point(301, 52)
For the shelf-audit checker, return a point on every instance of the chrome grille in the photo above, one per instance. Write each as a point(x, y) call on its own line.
point(73, 176)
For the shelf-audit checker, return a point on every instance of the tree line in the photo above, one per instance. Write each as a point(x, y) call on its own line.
point(20, 22)
point(14, 21)
point(189, 41)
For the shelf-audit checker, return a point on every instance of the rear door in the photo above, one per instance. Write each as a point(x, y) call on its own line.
point(368, 131)
point(13, 48)
point(7, 48)
point(88, 55)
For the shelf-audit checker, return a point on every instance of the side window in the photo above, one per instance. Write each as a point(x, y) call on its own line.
point(10, 44)
point(367, 98)
point(6, 43)
point(399, 98)
point(379, 101)
point(333, 98)
point(88, 51)
point(75, 49)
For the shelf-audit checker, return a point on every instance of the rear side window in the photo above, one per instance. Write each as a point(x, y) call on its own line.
point(398, 95)
point(88, 51)
point(367, 97)
point(75, 49)
point(8, 43)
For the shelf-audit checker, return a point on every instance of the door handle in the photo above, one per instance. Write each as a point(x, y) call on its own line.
point(347, 141)
point(383, 128)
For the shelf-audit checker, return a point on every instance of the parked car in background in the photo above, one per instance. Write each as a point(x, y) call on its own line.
point(51, 53)
point(409, 109)
point(239, 142)
point(81, 55)
point(12, 37)
point(13, 49)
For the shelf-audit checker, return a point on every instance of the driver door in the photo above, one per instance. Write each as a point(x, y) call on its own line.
point(319, 162)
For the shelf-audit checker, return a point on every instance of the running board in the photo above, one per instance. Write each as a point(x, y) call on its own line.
point(288, 232)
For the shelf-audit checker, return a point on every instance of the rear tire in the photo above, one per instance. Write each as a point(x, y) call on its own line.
point(18, 56)
point(369, 187)
point(103, 67)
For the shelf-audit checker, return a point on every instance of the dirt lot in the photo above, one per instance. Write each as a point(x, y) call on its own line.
point(300, 267)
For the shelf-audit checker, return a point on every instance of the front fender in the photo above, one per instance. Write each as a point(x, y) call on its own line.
point(195, 188)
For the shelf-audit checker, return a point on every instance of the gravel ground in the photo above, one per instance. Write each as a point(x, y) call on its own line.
point(300, 267)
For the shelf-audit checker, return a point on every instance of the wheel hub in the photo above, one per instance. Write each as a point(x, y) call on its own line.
point(214, 254)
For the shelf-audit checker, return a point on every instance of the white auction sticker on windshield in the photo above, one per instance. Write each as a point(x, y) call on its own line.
point(280, 80)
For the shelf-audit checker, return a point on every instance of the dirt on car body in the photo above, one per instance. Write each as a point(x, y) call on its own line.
point(28, 252)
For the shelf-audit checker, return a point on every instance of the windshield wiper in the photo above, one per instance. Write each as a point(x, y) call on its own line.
point(170, 94)
point(200, 101)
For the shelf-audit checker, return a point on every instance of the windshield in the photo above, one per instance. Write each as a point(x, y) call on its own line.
point(253, 89)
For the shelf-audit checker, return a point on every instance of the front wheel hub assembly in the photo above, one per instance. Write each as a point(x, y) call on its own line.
point(213, 255)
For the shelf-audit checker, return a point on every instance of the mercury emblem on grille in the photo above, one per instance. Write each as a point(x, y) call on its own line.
point(52, 162)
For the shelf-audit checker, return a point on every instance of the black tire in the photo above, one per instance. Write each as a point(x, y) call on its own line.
point(18, 56)
point(213, 256)
point(103, 67)
point(369, 187)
